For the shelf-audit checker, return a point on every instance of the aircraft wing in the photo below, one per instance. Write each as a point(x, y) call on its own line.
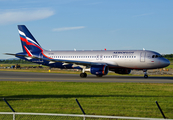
point(84, 63)
point(75, 62)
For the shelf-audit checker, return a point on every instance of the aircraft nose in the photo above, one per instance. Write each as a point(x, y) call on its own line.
point(165, 63)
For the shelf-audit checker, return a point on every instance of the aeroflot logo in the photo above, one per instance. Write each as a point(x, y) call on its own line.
point(26, 39)
point(123, 52)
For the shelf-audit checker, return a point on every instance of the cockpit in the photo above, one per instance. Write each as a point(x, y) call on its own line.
point(157, 56)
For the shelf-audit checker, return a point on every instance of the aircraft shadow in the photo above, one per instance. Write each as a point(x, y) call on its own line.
point(27, 97)
point(134, 77)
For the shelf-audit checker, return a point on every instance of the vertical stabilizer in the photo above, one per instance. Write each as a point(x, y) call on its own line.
point(29, 43)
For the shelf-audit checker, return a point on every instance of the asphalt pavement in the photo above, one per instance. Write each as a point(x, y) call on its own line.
point(30, 76)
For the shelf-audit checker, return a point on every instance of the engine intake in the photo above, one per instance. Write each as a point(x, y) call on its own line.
point(99, 69)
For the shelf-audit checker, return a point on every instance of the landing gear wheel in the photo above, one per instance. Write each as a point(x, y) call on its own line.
point(145, 73)
point(99, 75)
point(83, 75)
point(145, 76)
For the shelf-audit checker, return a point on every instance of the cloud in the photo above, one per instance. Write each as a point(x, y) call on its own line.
point(24, 15)
point(68, 28)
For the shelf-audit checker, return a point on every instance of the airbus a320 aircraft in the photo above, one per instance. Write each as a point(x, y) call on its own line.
point(98, 62)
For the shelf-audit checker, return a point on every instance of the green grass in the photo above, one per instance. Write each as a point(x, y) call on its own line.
point(118, 99)
point(170, 66)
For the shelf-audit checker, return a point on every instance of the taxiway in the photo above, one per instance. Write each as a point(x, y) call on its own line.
point(30, 76)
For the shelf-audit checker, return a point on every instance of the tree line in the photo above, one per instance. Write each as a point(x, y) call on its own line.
point(169, 56)
point(14, 61)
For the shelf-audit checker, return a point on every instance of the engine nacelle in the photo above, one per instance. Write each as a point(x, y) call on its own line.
point(123, 71)
point(99, 69)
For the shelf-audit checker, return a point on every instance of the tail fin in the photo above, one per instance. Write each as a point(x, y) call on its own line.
point(29, 43)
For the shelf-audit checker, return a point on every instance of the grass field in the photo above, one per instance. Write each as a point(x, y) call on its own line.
point(119, 99)
point(170, 66)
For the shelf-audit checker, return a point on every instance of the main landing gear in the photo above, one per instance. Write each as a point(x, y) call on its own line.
point(145, 73)
point(83, 74)
point(99, 75)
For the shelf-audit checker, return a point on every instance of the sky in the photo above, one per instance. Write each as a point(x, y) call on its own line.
point(88, 24)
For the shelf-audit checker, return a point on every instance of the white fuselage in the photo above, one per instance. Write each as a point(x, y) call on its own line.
point(132, 59)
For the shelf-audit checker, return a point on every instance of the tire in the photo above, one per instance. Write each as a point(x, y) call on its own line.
point(83, 75)
point(145, 76)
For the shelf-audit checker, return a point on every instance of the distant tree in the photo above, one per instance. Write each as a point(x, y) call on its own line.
point(169, 56)
point(14, 61)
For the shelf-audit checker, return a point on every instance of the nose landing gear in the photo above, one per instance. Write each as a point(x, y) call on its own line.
point(145, 76)
point(145, 73)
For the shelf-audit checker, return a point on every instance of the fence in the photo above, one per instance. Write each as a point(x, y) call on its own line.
point(48, 116)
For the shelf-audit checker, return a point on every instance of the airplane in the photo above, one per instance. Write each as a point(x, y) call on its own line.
point(97, 62)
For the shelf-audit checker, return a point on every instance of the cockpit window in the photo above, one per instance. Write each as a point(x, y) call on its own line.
point(157, 56)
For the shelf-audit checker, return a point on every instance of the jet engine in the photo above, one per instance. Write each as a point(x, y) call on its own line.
point(99, 70)
point(122, 71)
